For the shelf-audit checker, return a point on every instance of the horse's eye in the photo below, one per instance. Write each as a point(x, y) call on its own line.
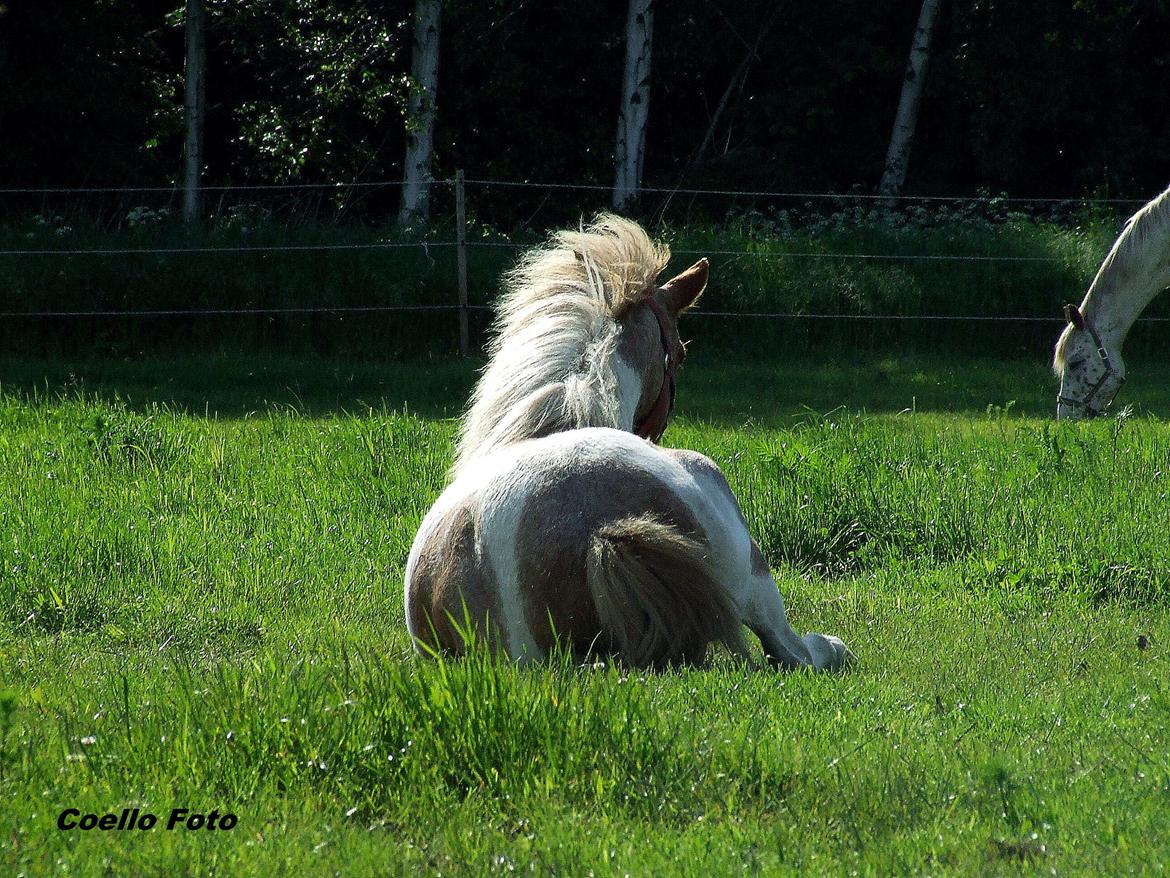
point(1075, 365)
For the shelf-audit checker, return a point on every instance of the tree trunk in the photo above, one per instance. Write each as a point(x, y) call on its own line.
point(420, 120)
point(898, 156)
point(635, 107)
point(193, 106)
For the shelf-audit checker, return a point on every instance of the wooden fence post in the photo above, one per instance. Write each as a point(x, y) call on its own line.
point(461, 261)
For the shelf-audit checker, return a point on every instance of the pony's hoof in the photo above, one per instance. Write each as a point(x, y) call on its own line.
point(829, 653)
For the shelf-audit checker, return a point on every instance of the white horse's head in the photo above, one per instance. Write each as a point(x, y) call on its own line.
point(1090, 373)
point(1088, 353)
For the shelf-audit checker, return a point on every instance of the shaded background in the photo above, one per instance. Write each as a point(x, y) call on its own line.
point(1047, 98)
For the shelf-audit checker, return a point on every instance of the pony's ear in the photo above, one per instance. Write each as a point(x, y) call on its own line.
point(1073, 315)
point(682, 291)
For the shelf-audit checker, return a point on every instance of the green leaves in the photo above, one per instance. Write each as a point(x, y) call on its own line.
point(323, 81)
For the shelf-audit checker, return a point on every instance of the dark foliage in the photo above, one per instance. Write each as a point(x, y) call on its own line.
point(1044, 98)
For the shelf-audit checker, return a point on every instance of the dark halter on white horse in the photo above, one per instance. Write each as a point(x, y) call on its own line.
point(1085, 405)
point(653, 423)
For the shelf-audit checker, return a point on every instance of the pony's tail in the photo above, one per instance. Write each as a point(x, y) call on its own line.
point(657, 599)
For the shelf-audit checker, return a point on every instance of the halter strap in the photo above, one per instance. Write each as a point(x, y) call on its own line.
point(1085, 405)
point(653, 423)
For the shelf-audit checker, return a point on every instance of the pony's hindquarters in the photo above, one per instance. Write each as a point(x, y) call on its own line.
point(597, 541)
point(657, 600)
point(582, 540)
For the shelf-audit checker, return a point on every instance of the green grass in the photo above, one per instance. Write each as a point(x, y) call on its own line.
point(200, 606)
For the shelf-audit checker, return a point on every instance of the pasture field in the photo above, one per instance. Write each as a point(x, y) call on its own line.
point(200, 607)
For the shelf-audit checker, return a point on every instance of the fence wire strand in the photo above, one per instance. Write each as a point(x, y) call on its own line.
point(231, 312)
point(258, 248)
point(364, 309)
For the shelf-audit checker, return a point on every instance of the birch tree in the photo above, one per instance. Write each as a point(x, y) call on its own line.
point(420, 120)
point(906, 120)
point(193, 107)
point(635, 106)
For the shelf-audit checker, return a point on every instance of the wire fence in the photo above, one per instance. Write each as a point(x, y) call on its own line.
point(461, 245)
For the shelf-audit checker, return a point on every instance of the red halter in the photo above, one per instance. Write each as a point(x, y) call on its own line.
point(653, 423)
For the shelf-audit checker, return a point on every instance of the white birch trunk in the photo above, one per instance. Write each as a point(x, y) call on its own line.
point(635, 107)
point(420, 119)
point(193, 107)
point(906, 120)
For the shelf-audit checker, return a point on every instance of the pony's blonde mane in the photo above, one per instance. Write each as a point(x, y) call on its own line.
point(1139, 258)
point(551, 356)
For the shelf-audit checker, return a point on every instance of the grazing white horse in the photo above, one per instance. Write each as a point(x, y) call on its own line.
point(1088, 353)
point(563, 521)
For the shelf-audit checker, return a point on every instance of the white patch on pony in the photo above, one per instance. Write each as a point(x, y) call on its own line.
point(504, 497)
point(730, 543)
point(629, 392)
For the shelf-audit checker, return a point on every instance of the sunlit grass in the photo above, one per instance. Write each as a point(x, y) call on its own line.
point(204, 610)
